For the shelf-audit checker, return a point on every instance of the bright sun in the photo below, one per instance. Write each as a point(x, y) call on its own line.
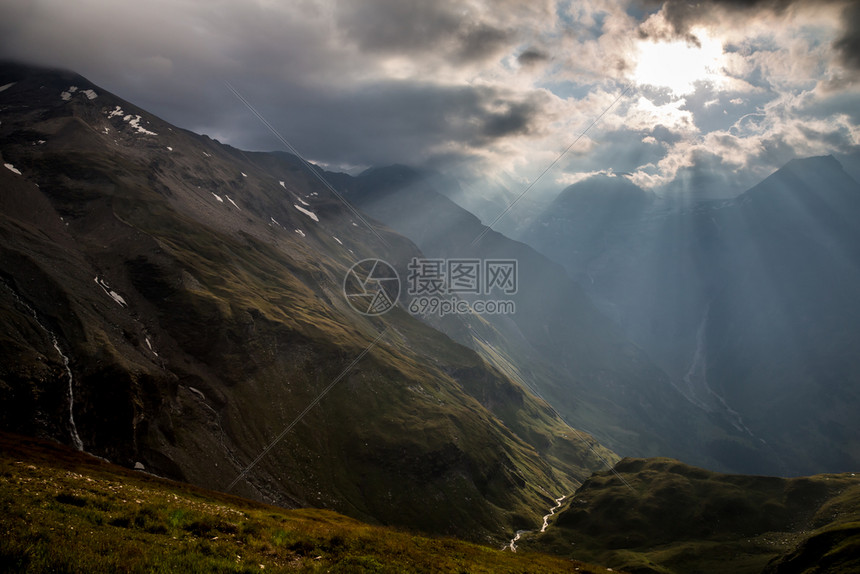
point(679, 65)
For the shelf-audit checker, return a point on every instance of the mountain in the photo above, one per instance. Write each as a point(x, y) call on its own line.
point(662, 516)
point(602, 208)
point(174, 304)
point(557, 342)
point(749, 304)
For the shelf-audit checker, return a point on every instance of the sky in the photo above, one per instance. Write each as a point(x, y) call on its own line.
point(703, 98)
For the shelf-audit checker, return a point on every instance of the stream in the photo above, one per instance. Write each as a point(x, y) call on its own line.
point(699, 392)
point(515, 539)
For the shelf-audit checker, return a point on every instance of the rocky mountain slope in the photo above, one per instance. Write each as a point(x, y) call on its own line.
point(170, 302)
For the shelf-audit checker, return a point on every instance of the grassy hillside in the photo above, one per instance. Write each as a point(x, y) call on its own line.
point(61, 511)
point(674, 518)
point(217, 315)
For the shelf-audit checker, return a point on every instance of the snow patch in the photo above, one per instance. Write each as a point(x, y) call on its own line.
point(233, 202)
point(197, 392)
point(336, 239)
point(135, 123)
point(206, 154)
point(116, 112)
point(300, 232)
point(11, 168)
point(243, 174)
point(67, 94)
point(303, 202)
point(169, 148)
point(112, 294)
point(5, 87)
point(282, 184)
point(139, 466)
point(310, 214)
point(275, 221)
point(354, 224)
point(217, 197)
point(148, 344)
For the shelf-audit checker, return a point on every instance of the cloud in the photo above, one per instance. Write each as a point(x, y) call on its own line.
point(678, 18)
point(848, 46)
point(517, 118)
point(532, 57)
point(423, 29)
point(494, 89)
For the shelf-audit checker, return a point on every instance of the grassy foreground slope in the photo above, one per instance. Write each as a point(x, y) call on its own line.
point(669, 517)
point(61, 511)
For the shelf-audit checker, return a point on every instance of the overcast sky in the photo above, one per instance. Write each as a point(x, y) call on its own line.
point(698, 96)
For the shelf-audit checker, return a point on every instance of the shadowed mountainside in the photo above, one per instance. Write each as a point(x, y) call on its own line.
point(557, 341)
point(749, 304)
point(174, 302)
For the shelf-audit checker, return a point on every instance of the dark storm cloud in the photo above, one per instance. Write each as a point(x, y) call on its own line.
point(395, 121)
point(392, 25)
point(480, 42)
point(517, 119)
point(532, 57)
point(317, 71)
point(374, 82)
point(397, 27)
point(848, 45)
point(682, 15)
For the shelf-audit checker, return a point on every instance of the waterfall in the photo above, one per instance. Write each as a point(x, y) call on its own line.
point(76, 439)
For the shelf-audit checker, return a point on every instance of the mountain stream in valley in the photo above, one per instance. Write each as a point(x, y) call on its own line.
point(697, 389)
point(513, 543)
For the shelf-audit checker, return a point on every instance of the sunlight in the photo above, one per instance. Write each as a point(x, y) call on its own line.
point(678, 65)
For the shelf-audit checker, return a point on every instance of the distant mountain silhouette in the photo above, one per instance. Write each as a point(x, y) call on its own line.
point(750, 304)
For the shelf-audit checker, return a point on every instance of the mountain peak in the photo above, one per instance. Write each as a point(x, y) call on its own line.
point(603, 189)
point(822, 177)
point(395, 171)
point(814, 162)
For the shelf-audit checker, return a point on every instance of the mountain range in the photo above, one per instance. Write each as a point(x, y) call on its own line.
point(557, 342)
point(749, 304)
point(176, 306)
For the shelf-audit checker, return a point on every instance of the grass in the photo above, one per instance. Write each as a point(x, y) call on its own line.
point(677, 519)
point(61, 511)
